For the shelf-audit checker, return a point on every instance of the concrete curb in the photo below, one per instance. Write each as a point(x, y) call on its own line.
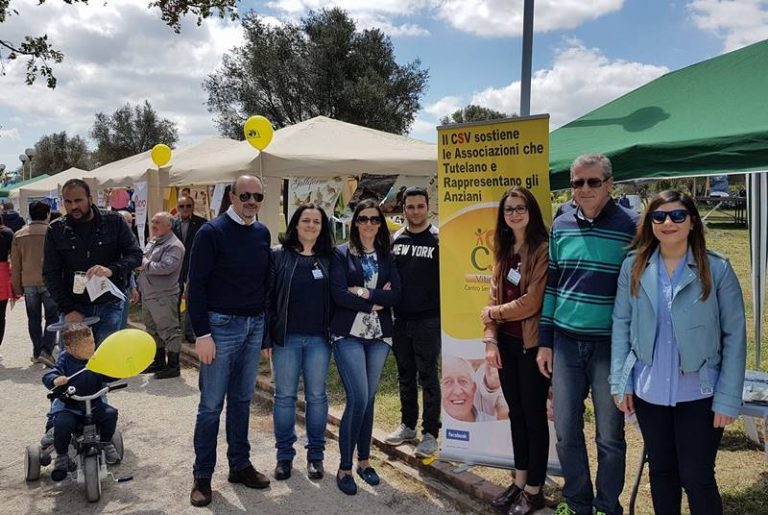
point(466, 482)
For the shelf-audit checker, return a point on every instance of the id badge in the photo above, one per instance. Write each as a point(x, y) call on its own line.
point(513, 276)
point(317, 273)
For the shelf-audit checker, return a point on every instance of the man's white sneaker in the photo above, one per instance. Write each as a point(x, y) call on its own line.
point(400, 435)
point(427, 447)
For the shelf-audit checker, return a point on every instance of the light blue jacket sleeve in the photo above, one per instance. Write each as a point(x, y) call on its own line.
point(620, 342)
point(733, 338)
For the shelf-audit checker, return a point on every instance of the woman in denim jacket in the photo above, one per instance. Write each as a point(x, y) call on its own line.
point(678, 351)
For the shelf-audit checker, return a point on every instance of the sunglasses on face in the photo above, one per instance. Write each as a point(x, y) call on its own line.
point(520, 210)
point(374, 220)
point(592, 182)
point(677, 216)
point(185, 206)
point(258, 197)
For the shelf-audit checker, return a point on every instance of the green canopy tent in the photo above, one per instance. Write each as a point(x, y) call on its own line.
point(707, 118)
point(711, 117)
point(5, 191)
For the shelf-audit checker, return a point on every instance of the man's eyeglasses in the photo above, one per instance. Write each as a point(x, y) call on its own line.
point(374, 220)
point(677, 216)
point(592, 182)
point(258, 197)
point(520, 210)
point(185, 206)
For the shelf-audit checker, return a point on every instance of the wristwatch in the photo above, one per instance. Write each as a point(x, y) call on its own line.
point(360, 292)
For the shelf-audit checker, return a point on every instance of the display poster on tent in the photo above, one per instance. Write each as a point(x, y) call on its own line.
point(392, 204)
point(201, 197)
point(321, 191)
point(476, 163)
point(140, 204)
point(218, 197)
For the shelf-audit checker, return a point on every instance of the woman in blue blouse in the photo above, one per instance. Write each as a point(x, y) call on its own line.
point(364, 286)
point(678, 351)
point(299, 329)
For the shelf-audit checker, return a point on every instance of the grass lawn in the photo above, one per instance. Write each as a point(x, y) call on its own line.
point(742, 469)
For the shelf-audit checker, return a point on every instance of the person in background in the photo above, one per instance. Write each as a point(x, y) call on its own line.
point(185, 227)
point(586, 249)
point(132, 292)
point(682, 370)
point(13, 220)
point(365, 284)
point(511, 338)
point(85, 243)
point(159, 287)
point(6, 287)
point(229, 273)
point(27, 278)
point(299, 329)
point(416, 340)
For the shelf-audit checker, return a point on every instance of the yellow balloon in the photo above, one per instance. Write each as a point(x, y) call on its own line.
point(161, 154)
point(258, 131)
point(393, 225)
point(123, 354)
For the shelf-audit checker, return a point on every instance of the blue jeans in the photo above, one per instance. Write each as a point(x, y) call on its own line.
point(360, 363)
point(307, 355)
point(578, 367)
point(110, 317)
point(231, 374)
point(37, 301)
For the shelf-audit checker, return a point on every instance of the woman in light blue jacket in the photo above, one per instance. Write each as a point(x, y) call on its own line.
point(678, 351)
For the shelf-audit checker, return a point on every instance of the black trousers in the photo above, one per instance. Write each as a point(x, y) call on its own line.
point(65, 423)
point(682, 445)
point(416, 344)
point(525, 391)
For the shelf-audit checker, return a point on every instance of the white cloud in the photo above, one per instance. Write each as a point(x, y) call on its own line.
point(505, 18)
point(737, 22)
point(580, 80)
point(113, 56)
point(10, 134)
point(445, 106)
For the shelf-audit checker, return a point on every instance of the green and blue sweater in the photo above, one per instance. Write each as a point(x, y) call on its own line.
point(584, 263)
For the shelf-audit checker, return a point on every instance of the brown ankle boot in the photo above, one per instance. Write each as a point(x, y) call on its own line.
point(527, 503)
point(201, 493)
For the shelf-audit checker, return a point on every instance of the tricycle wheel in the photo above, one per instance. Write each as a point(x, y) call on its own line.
point(32, 463)
point(92, 482)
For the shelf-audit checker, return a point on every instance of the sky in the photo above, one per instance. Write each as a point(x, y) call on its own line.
point(585, 53)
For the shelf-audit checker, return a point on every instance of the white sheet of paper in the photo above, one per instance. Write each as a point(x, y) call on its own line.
point(98, 286)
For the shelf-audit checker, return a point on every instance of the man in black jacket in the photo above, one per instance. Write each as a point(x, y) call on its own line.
point(185, 228)
point(83, 244)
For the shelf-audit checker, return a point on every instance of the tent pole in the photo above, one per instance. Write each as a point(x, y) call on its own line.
point(525, 71)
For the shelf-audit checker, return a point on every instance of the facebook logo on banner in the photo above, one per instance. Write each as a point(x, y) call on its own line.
point(455, 434)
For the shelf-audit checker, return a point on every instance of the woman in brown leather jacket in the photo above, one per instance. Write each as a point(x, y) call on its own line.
point(511, 340)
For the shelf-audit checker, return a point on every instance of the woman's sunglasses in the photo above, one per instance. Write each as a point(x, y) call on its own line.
point(258, 197)
point(677, 216)
point(374, 220)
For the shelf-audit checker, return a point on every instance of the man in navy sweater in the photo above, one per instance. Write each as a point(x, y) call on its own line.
point(228, 272)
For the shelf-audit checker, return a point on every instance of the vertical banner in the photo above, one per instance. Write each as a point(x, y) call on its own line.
point(477, 163)
point(140, 203)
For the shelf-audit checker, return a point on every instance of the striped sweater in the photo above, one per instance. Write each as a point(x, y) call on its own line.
point(584, 263)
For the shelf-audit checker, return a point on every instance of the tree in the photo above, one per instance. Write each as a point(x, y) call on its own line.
point(129, 131)
point(473, 113)
point(58, 152)
point(323, 66)
point(41, 54)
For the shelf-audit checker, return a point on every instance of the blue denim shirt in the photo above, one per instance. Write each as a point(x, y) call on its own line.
point(661, 382)
point(710, 333)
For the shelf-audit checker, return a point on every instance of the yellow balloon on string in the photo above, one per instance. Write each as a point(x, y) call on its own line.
point(123, 354)
point(258, 132)
point(161, 154)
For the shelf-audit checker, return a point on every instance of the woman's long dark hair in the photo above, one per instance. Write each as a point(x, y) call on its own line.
point(645, 242)
point(324, 244)
point(535, 233)
point(382, 243)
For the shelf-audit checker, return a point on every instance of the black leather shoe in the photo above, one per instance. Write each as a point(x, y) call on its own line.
point(507, 497)
point(283, 470)
point(201, 493)
point(527, 503)
point(315, 469)
point(250, 477)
